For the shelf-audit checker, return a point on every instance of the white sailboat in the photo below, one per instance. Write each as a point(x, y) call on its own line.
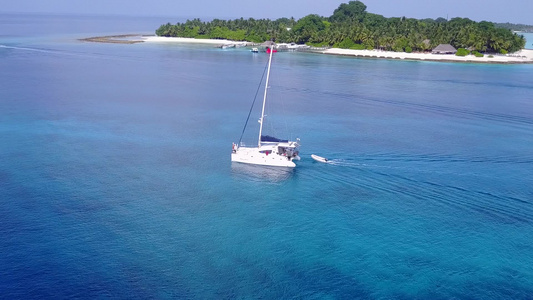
point(270, 151)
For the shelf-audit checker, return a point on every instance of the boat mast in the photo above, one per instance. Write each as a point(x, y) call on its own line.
point(265, 96)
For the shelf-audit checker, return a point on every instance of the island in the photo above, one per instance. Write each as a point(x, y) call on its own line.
point(351, 30)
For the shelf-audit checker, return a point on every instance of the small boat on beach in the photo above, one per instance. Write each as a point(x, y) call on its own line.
point(269, 50)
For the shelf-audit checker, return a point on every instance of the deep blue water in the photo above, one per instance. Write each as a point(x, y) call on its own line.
point(116, 180)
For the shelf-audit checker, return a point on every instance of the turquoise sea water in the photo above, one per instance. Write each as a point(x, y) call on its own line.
point(529, 40)
point(116, 180)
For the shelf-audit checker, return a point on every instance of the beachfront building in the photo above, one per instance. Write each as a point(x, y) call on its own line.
point(268, 44)
point(444, 49)
point(292, 47)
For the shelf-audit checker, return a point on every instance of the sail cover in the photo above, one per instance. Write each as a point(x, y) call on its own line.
point(268, 138)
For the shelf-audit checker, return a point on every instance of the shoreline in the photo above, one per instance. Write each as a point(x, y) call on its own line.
point(164, 39)
point(524, 56)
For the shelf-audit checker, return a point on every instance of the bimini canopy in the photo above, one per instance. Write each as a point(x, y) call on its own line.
point(268, 138)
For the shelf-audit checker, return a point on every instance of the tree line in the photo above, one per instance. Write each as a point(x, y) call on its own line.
point(515, 27)
point(352, 27)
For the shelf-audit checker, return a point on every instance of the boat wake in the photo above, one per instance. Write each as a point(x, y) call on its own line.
point(29, 49)
point(71, 53)
point(440, 180)
point(393, 167)
point(344, 163)
point(338, 162)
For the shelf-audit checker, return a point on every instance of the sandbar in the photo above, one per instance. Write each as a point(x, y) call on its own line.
point(116, 39)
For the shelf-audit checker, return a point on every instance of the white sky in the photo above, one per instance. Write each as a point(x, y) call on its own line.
point(514, 11)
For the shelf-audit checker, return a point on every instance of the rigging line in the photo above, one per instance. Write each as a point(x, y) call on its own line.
point(255, 98)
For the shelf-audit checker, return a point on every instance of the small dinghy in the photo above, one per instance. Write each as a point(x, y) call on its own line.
point(319, 158)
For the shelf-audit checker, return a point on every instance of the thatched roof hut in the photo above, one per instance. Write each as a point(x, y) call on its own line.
point(444, 49)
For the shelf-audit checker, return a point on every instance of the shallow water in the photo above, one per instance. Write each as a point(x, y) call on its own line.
point(116, 180)
point(529, 40)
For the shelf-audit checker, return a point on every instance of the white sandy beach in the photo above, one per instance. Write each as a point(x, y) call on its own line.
point(523, 56)
point(162, 39)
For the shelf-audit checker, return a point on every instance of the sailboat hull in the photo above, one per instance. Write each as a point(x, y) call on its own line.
point(255, 156)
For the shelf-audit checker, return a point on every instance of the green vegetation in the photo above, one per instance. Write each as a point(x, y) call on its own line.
point(251, 30)
point(515, 27)
point(349, 44)
point(351, 27)
point(462, 52)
